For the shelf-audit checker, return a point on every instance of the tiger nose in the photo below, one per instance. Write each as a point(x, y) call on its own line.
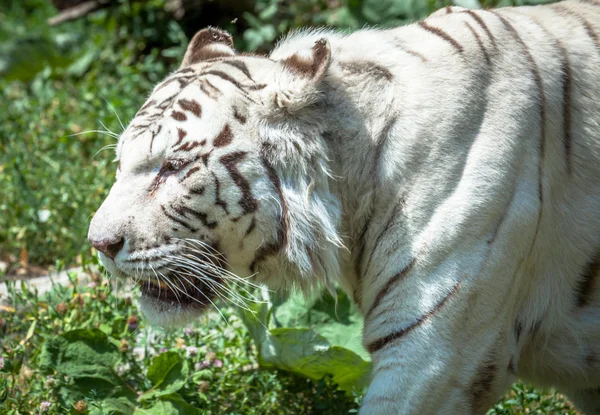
point(109, 247)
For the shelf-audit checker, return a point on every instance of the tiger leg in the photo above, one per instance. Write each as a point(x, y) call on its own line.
point(566, 355)
point(453, 360)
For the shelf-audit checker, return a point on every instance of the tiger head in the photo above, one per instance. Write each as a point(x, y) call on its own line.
point(222, 175)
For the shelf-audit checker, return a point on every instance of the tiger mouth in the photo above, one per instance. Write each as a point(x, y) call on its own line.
point(189, 292)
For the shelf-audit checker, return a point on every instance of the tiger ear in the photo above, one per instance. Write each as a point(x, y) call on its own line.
point(300, 76)
point(207, 44)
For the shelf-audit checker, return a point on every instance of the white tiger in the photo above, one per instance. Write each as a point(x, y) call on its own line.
point(446, 174)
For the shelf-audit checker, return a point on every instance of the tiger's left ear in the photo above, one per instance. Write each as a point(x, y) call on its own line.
point(297, 83)
point(207, 44)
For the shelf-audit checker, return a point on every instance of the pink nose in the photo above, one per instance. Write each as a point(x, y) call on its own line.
point(108, 247)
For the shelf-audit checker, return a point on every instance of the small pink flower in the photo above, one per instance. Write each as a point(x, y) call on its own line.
point(44, 406)
point(205, 364)
point(1, 362)
point(191, 350)
point(163, 350)
point(92, 284)
point(188, 331)
point(218, 363)
point(198, 366)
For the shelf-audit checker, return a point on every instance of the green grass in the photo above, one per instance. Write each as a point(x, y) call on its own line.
point(236, 387)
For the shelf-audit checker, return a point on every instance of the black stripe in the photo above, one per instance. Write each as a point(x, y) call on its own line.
point(395, 213)
point(179, 221)
point(479, 42)
point(203, 217)
point(582, 20)
point(385, 290)
point(248, 203)
point(542, 107)
point(384, 341)
point(481, 23)
point(443, 35)
point(241, 66)
point(586, 283)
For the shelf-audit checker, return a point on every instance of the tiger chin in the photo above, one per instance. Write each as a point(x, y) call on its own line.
point(445, 174)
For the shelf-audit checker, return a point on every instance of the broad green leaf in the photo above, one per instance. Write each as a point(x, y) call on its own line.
point(256, 319)
point(168, 373)
point(169, 405)
point(88, 357)
point(305, 352)
point(340, 323)
point(113, 406)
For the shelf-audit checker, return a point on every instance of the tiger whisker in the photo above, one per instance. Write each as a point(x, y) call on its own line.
point(114, 112)
point(109, 133)
point(209, 300)
point(214, 284)
point(229, 278)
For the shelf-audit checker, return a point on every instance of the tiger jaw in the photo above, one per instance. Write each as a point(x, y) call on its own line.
point(166, 288)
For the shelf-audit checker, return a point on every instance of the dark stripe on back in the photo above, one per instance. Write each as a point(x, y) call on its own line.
point(179, 221)
point(566, 93)
point(588, 27)
point(248, 203)
point(586, 284)
point(479, 42)
point(542, 106)
point(481, 23)
point(441, 34)
point(398, 43)
point(384, 341)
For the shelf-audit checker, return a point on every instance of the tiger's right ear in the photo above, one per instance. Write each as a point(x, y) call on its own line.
point(207, 44)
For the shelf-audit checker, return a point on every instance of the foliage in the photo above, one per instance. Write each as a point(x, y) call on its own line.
point(83, 346)
point(311, 338)
point(82, 343)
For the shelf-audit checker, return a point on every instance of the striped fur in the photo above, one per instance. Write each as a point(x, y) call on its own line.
point(446, 174)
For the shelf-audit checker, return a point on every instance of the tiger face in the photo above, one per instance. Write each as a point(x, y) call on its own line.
point(221, 175)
